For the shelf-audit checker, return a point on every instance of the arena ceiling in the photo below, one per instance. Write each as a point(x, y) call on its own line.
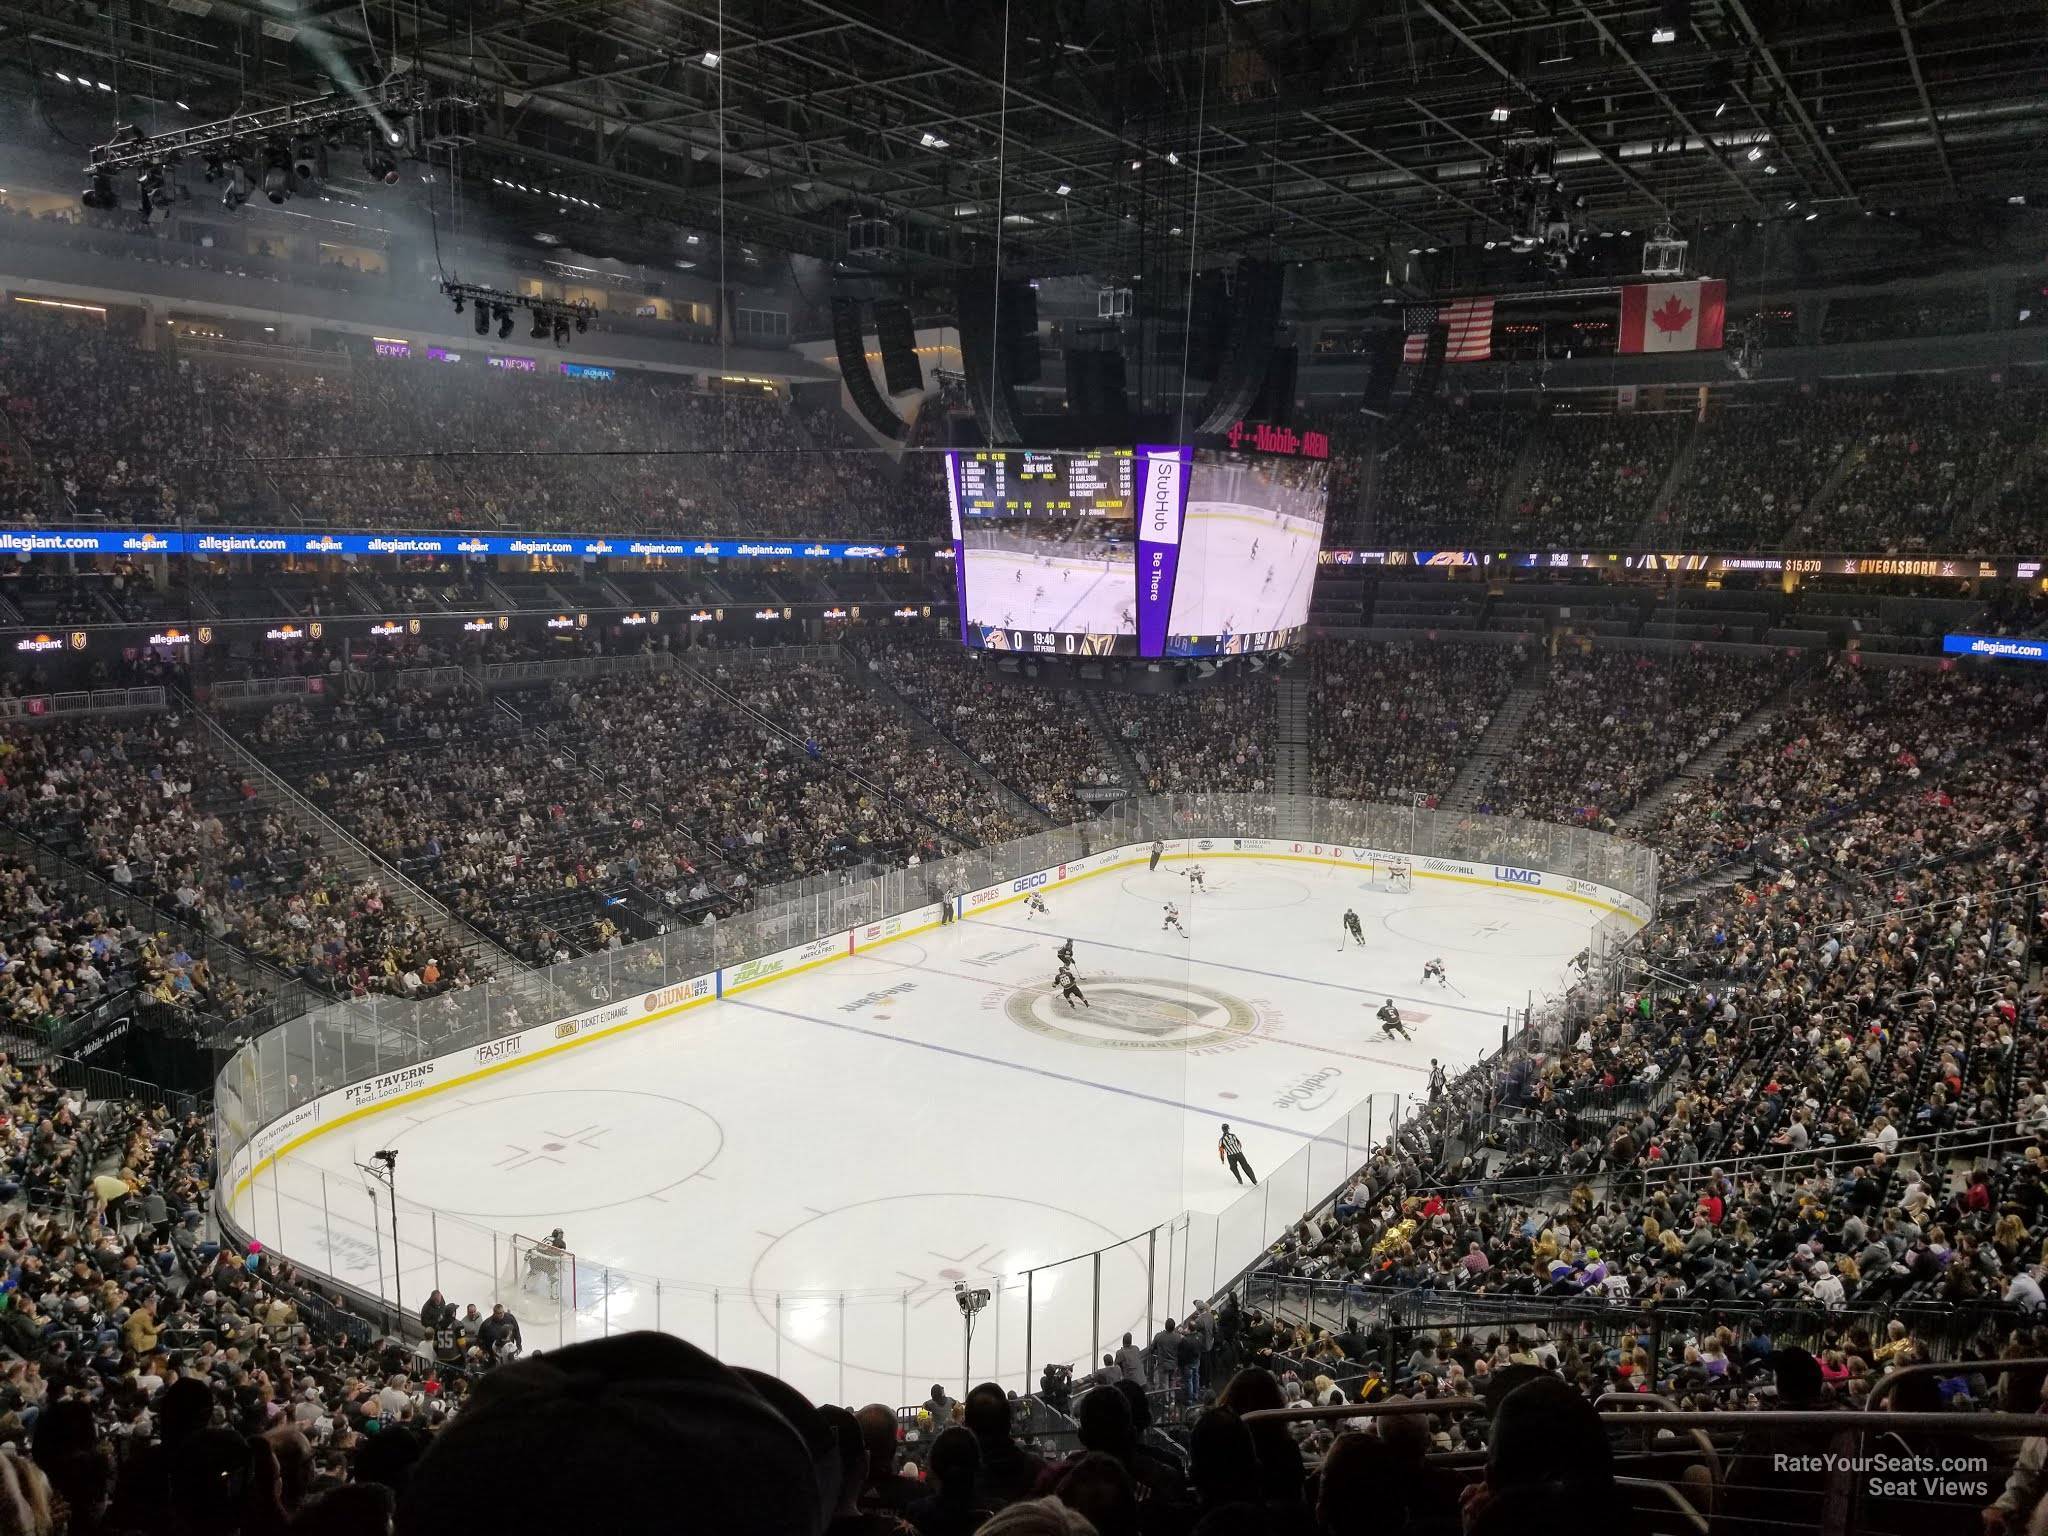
point(1300, 129)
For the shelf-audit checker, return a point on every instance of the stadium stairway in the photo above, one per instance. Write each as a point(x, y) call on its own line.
point(1824, 498)
point(1646, 812)
point(1115, 750)
point(1502, 732)
point(483, 954)
point(866, 677)
point(1515, 485)
point(1292, 773)
point(1648, 530)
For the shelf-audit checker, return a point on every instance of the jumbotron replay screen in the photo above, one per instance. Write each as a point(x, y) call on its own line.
point(1248, 546)
point(1047, 560)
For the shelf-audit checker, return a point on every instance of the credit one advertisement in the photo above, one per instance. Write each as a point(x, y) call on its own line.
point(1249, 543)
point(1162, 499)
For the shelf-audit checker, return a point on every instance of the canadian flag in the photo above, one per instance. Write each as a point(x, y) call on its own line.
point(1673, 317)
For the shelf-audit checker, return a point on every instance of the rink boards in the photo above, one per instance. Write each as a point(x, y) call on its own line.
point(406, 1085)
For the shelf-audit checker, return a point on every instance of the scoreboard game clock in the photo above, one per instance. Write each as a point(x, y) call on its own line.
point(1006, 483)
point(1150, 551)
point(1046, 550)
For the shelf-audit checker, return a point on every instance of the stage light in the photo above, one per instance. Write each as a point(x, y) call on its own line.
point(1499, 114)
point(1756, 152)
point(277, 173)
point(540, 325)
point(561, 330)
point(582, 324)
point(504, 323)
point(710, 59)
point(378, 164)
point(1061, 190)
point(483, 320)
point(236, 192)
point(1664, 35)
point(100, 194)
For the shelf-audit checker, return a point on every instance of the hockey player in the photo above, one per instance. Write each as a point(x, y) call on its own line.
point(1070, 989)
point(1158, 852)
point(1353, 934)
point(1173, 921)
point(1196, 876)
point(1065, 955)
point(1433, 970)
point(1034, 906)
point(1390, 1022)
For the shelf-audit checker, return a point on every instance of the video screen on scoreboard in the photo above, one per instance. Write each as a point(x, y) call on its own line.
point(1047, 563)
point(1248, 549)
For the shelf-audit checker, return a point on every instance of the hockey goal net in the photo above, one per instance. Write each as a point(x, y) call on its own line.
point(1393, 875)
point(537, 1268)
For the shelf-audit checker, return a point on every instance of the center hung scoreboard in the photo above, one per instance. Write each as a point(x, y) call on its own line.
point(1155, 551)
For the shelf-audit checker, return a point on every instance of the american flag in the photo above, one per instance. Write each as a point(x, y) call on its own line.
point(1471, 327)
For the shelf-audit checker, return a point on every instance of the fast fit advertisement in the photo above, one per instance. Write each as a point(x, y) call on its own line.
point(1248, 549)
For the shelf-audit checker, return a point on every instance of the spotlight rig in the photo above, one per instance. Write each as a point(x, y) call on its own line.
point(1546, 219)
point(551, 317)
point(282, 150)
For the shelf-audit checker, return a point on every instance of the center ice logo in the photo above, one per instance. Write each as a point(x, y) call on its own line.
point(1135, 1013)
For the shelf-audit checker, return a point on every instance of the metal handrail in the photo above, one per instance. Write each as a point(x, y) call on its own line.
point(1891, 1378)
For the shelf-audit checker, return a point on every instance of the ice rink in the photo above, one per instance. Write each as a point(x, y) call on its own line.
point(1243, 570)
point(1052, 593)
point(796, 1177)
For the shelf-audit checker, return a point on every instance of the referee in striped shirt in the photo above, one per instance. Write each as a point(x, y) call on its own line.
point(1230, 1151)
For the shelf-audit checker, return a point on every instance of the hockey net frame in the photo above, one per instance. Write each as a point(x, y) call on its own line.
point(534, 1270)
point(1394, 876)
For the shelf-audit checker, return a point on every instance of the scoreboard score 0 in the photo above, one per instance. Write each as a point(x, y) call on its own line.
point(1004, 483)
